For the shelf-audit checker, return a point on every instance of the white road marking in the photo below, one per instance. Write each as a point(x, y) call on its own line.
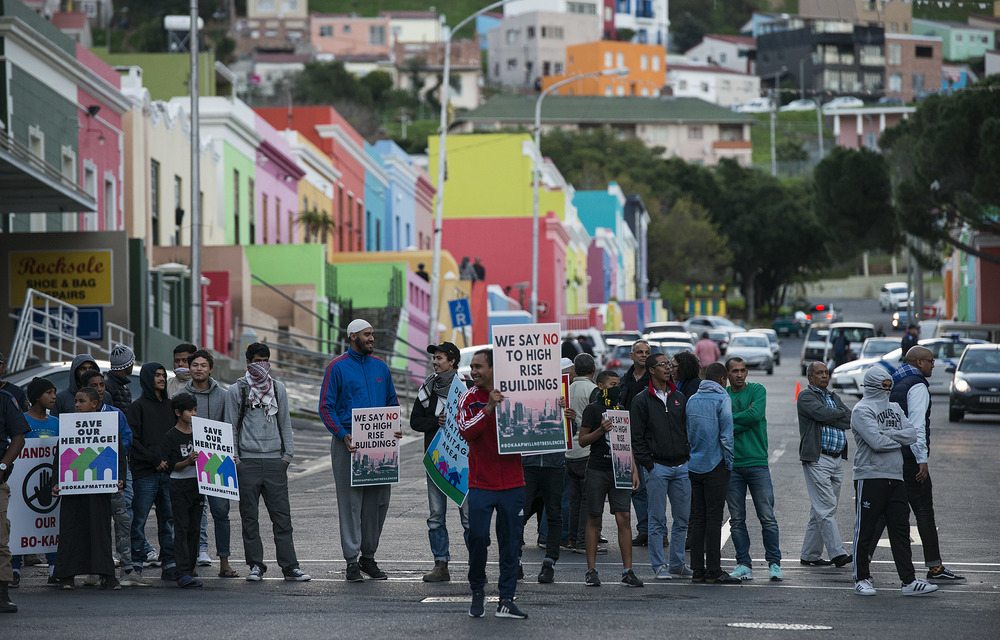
point(780, 626)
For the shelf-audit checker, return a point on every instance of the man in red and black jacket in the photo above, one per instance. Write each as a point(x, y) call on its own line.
point(495, 484)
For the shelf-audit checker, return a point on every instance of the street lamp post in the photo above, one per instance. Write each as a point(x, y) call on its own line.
point(537, 173)
point(196, 310)
point(442, 150)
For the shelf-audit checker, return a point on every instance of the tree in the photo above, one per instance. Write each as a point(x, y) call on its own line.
point(945, 164)
point(685, 246)
point(852, 198)
point(316, 224)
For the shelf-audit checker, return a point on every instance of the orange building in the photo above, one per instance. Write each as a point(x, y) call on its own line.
point(646, 64)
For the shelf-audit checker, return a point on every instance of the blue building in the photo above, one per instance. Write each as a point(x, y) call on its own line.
point(376, 201)
point(402, 198)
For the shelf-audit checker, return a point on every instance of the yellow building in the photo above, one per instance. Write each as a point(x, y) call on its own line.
point(315, 188)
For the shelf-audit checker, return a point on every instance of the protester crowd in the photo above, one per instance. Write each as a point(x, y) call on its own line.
point(699, 446)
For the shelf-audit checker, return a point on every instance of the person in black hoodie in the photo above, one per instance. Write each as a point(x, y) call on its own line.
point(427, 417)
point(660, 446)
point(117, 381)
point(150, 418)
point(66, 399)
point(635, 380)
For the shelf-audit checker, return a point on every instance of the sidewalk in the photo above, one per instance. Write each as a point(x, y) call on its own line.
point(866, 287)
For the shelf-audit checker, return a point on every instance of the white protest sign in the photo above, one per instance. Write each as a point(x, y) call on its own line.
point(376, 460)
point(213, 441)
point(33, 510)
point(88, 453)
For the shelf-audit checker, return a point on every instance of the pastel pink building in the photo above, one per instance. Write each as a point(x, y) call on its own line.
point(345, 36)
point(275, 187)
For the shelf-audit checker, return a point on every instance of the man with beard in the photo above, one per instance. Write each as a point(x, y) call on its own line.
point(427, 417)
point(356, 380)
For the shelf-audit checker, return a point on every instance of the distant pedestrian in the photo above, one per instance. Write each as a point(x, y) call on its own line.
point(496, 483)
point(585, 346)
point(355, 380)
point(841, 349)
point(823, 423)
point(257, 407)
point(880, 430)
point(706, 351)
point(422, 273)
point(910, 338)
point(479, 269)
point(466, 271)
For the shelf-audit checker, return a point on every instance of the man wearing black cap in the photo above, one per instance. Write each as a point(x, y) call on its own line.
point(427, 417)
point(910, 338)
point(10, 387)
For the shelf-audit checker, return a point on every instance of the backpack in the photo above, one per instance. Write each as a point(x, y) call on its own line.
point(244, 406)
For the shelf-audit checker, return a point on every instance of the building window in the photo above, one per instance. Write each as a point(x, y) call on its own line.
point(723, 56)
point(69, 164)
point(620, 90)
point(581, 7)
point(376, 35)
point(895, 54)
point(263, 209)
point(36, 142)
point(346, 29)
point(644, 92)
point(609, 90)
point(873, 81)
point(277, 220)
point(831, 80)
point(923, 52)
point(178, 190)
point(682, 85)
point(511, 36)
point(958, 37)
point(620, 59)
point(644, 9)
point(154, 202)
point(511, 63)
point(530, 33)
point(895, 82)
point(656, 63)
point(694, 132)
point(546, 68)
point(725, 85)
point(110, 219)
point(642, 37)
point(643, 62)
point(236, 206)
point(290, 5)
point(326, 31)
point(265, 6)
point(893, 28)
point(251, 190)
point(918, 82)
point(557, 68)
point(704, 87)
point(609, 60)
point(622, 6)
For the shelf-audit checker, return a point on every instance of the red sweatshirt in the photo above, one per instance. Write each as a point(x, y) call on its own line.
point(487, 468)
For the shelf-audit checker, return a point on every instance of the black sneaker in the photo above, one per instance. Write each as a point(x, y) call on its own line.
point(507, 609)
point(169, 575)
point(698, 576)
point(601, 539)
point(629, 579)
point(110, 583)
point(548, 573)
point(640, 540)
point(52, 581)
point(478, 607)
point(943, 575)
point(817, 563)
point(354, 572)
point(842, 560)
point(368, 566)
point(15, 581)
point(592, 579)
point(721, 577)
point(67, 584)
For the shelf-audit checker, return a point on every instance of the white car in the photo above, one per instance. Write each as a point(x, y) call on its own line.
point(772, 339)
point(760, 105)
point(671, 336)
point(799, 105)
point(892, 295)
point(755, 350)
point(849, 377)
point(57, 373)
point(856, 332)
point(843, 102)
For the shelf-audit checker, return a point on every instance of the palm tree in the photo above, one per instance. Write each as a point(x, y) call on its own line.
point(316, 224)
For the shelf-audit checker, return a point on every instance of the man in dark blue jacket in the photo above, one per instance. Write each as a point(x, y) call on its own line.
point(356, 380)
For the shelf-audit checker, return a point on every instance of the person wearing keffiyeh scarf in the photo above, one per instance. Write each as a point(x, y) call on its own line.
point(262, 388)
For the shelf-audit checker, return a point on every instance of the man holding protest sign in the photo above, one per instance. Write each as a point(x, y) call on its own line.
point(13, 426)
point(356, 380)
point(427, 417)
point(495, 484)
point(599, 482)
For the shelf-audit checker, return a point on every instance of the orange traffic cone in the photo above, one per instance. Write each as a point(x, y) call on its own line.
point(798, 389)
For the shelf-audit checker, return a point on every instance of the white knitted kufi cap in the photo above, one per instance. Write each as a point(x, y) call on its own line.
point(358, 325)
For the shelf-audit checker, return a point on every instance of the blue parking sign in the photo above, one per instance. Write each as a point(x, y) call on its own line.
point(461, 314)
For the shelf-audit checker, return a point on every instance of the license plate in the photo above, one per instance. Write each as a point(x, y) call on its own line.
point(989, 399)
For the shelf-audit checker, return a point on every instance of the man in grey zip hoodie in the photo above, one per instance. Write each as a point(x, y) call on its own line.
point(880, 429)
point(257, 407)
point(211, 405)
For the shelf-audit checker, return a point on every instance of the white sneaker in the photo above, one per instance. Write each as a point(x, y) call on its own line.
point(92, 580)
point(864, 588)
point(683, 572)
point(152, 559)
point(742, 572)
point(204, 560)
point(133, 579)
point(919, 588)
point(663, 573)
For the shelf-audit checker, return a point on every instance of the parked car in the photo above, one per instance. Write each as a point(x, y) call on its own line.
point(671, 336)
point(669, 349)
point(849, 377)
point(987, 332)
point(759, 105)
point(814, 345)
point(878, 346)
point(612, 338)
point(660, 327)
point(799, 105)
point(621, 356)
point(787, 325)
point(975, 387)
point(843, 102)
point(889, 101)
point(755, 350)
point(824, 313)
point(856, 332)
point(773, 341)
point(596, 340)
point(892, 295)
point(57, 373)
point(698, 324)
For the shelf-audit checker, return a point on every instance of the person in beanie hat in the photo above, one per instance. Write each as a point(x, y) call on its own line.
point(117, 381)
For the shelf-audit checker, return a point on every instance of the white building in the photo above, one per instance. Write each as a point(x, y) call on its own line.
point(717, 85)
point(647, 18)
point(413, 26)
point(731, 52)
point(593, 8)
point(527, 46)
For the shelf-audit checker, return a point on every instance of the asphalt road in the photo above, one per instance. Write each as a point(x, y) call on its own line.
point(965, 466)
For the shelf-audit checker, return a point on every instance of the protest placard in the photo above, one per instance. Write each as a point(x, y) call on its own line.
point(526, 371)
point(447, 457)
point(216, 466)
point(620, 438)
point(33, 511)
point(376, 460)
point(88, 453)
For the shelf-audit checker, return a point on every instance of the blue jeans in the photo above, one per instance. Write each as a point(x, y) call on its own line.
point(509, 505)
point(758, 480)
point(437, 527)
point(663, 483)
point(641, 503)
point(128, 493)
point(153, 489)
point(220, 516)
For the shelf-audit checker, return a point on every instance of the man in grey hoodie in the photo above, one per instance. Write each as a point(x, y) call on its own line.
point(257, 407)
point(880, 429)
point(66, 399)
point(211, 405)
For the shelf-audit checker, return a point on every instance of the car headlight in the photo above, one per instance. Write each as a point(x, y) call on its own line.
point(961, 385)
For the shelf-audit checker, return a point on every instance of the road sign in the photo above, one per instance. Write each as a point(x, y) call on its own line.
point(461, 314)
point(543, 308)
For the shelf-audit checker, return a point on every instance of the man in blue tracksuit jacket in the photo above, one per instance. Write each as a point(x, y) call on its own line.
point(356, 380)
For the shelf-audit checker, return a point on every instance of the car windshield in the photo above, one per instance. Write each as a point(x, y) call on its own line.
point(898, 290)
point(980, 361)
point(749, 341)
point(855, 334)
point(817, 335)
point(876, 348)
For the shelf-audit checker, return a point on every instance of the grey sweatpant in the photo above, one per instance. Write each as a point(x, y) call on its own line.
point(361, 510)
point(267, 478)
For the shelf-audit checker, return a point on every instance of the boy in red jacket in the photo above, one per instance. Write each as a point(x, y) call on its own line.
point(495, 484)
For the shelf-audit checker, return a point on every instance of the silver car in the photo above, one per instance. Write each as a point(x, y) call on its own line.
point(755, 350)
point(774, 341)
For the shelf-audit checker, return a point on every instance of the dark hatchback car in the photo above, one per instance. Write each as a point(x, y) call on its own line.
point(976, 385)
